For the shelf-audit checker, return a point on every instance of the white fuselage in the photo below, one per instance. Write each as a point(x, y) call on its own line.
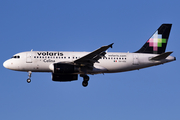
point(42, 61)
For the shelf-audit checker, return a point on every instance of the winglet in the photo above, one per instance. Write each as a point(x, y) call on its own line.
point(161, 56)
point(111, 45)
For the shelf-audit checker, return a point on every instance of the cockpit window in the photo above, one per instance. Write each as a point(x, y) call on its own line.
point(16, 56)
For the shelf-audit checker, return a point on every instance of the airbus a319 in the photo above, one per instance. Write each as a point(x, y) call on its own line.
point(66, 66)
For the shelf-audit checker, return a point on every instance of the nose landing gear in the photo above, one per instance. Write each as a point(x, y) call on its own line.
point(29, 79)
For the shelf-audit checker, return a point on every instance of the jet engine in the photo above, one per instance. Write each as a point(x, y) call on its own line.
point(63, 68)
point(64, 72)
point(65, 77)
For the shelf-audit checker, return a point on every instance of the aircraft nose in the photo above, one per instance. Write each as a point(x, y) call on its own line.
point(5, 64)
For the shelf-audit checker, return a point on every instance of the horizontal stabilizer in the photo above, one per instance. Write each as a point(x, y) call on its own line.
point(161, 56)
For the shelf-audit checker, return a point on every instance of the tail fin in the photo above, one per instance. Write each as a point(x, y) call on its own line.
point(157, 43)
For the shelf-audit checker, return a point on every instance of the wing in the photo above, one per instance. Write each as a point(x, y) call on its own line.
point(92, 57)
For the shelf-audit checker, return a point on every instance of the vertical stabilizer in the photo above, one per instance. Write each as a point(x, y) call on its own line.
point(158, 42)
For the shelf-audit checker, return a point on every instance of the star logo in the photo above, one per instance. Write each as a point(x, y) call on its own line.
point(156, 41)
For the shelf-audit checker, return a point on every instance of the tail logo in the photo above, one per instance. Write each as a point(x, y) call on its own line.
point(156, 41)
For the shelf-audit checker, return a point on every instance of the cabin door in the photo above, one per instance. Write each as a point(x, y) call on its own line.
point(29, 57)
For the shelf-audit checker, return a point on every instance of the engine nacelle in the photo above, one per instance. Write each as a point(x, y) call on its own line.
point(64, 78)
point(63, 68)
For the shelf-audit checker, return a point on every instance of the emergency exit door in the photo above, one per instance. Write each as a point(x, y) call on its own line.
point(135, 60)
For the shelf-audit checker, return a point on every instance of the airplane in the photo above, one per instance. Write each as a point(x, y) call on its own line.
point(66, 66)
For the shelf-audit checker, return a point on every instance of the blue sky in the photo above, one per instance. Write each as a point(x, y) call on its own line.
point(78, 25)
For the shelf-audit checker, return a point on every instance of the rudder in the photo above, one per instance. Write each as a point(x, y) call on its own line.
point(158, 42)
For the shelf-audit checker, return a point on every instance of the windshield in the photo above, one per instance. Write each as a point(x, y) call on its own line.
point(16, 56)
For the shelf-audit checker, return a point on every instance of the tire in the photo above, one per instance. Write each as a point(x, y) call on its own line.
point(86, 78)
point(85, 83)
point(28, 80)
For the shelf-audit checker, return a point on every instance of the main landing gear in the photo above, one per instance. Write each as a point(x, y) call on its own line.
point(85, 80)
point(29, 79)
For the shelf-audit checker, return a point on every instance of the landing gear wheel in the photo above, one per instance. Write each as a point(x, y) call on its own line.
point(28, 80)
point(85, 83)
point(29, 74)
point(86, 78)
